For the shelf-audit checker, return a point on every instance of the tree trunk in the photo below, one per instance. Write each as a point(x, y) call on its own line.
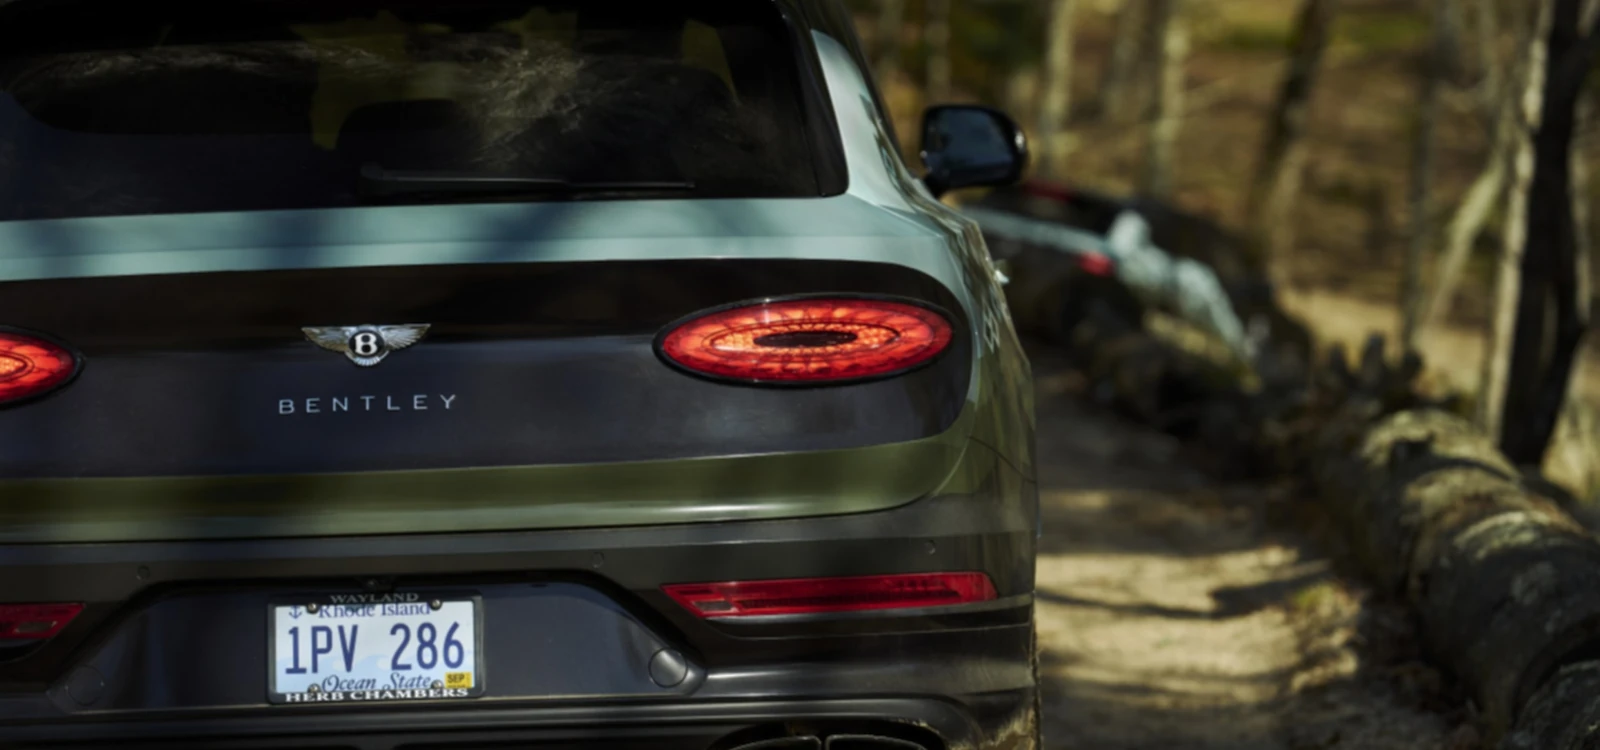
point(1277, 179)
point(1451, 21)
point(1057, 105)
point(1550, 321)
point(1488, 28)
point(1583, 238)
point(1166, 107)
point(1423, 148)
point(938, 34)
point(1508, 271)
point(1469, 219)
point(891, 26)
point(1485, 192)
point(1112, 101)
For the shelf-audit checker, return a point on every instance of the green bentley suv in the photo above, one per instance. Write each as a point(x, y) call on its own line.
point(388, 374)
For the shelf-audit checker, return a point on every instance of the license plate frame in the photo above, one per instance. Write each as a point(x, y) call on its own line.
point(381, 693)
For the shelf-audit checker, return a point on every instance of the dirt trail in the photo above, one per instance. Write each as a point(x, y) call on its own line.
point(1174, 613)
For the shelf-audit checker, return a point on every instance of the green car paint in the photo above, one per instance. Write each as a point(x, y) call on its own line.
point(737, 488)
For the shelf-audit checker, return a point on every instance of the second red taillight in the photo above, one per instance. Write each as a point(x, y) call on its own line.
point(31, 621)
point(800, 596)
point(808, 341)
point(32, 366)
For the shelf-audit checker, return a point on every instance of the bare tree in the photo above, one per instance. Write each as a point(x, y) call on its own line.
point(938, 36)
point(1508, 267)
point(1127, 46)
point(1551, 319)
point(1166, 106)
point(1424, 145)
point(1278, 174)
point(1582, 193)
point(1508, 277)
point(891, 26)
point(1057, 86)
point(1469, 217)
point(1488, 28)
point(1483, 195)
point(1451, 21)
point(1581, 215)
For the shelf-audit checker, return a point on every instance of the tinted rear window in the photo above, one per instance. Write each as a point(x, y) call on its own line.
point(137, 108)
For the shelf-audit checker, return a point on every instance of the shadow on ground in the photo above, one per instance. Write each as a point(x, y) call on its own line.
point(1177, 612)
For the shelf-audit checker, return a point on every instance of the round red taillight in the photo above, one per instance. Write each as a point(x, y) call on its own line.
point(31, 366)
point(807, 341)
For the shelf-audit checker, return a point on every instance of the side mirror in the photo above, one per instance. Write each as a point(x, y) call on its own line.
point(970, 146)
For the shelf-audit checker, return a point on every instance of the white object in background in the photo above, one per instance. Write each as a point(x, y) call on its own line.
point(1186, 287)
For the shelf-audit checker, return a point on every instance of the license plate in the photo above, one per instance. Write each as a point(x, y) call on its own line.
point(375, 647)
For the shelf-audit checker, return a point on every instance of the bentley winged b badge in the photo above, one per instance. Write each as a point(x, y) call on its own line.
point(366, 345)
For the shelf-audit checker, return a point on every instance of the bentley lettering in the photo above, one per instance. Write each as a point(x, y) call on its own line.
point(337, 404)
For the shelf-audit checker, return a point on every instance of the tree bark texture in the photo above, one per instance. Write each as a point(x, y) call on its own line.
point(1166, 106)
point(1056, 109)
point(1564, 714)
point(1277, 179)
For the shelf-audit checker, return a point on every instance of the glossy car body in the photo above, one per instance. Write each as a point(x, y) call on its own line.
point(533, 451)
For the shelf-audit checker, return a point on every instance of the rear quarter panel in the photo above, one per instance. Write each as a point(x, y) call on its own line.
point(1002, 387)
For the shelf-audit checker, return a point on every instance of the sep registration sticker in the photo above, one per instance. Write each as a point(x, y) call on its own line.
point(375, 647)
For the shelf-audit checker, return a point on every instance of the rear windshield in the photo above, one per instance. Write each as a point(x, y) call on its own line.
point(130, 107)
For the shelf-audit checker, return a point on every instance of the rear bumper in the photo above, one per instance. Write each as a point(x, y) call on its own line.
point(172, 644)
point(998, 720)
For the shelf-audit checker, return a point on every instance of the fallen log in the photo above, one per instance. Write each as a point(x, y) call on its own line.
point(1564, 715)
point(1505, 584)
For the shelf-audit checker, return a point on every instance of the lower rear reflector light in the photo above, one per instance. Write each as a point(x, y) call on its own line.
point(1096, 264)
point(31, 366)
point(801, 596)
point(30, 621)
point(807, 341)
